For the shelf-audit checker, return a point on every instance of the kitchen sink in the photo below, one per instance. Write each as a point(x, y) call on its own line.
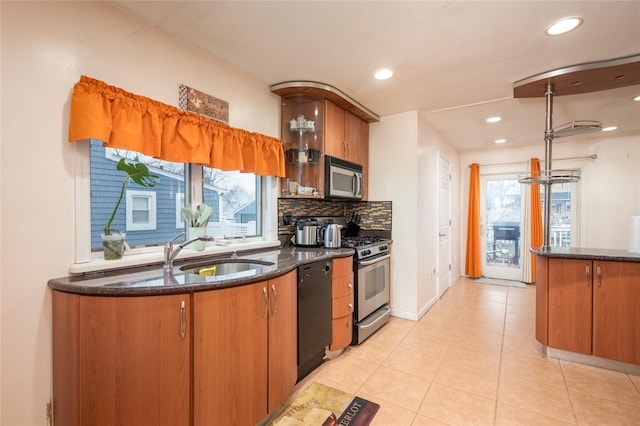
point(226, 267)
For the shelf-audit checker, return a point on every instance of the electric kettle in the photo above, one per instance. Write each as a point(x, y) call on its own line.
point(332, 237)
point(307, 232)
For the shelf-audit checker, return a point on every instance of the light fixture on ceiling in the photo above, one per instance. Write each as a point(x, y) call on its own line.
point(383, 74)
point(564, 25)
point(609, 128)
point(493, 119)
point(637, 98)
point(500, 141)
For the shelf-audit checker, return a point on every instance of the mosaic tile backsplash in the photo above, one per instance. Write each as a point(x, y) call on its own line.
point(375, 215)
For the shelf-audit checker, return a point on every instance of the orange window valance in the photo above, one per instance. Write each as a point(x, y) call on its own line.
point(128, 121)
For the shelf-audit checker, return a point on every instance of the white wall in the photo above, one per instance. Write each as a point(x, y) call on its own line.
point(609, 188)
point(46, 46)
point(403, 168)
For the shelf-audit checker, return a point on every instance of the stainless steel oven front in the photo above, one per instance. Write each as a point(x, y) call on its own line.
point(373, 276)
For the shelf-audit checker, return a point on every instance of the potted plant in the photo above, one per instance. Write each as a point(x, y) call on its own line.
point(112, 239)
point(197, 220)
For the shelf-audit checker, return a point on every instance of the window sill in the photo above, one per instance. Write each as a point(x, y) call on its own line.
point(155, 255)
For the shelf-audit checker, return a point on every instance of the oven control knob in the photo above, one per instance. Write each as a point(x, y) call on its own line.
point(383, 247)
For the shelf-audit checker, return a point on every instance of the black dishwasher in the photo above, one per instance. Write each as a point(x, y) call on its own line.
point(314, 315)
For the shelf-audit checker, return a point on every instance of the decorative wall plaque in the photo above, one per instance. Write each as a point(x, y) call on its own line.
point(200, 103)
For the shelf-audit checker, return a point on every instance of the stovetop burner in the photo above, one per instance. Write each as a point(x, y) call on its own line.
point(359, 242)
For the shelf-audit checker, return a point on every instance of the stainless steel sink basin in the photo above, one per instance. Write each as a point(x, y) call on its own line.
point(226, 267)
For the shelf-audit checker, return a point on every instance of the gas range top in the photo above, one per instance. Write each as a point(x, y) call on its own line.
point(367, 247)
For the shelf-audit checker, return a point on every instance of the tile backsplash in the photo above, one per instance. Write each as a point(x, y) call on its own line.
point(375, 215)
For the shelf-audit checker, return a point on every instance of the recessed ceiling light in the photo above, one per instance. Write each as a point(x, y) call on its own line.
point(500, 141)
point(564, 25)
point(637, 98)
point(383, 74)
point(609, 129)
point(493, 119)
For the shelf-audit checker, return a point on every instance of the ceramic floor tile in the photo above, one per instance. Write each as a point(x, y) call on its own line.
point(522, 344)
point(389, 414)
point(468, 377)
point(431, 346)
point(389, 334)
point(402, 389)
point(542, 398)
point(375, 351)
point(482, 325)
point(508, 415)
point(410, 361)
point(592, 410)
point(456, 407)
point(351, 371)
point(426, 421)
point(602, 383)
point(402, 323)
point(542, 369)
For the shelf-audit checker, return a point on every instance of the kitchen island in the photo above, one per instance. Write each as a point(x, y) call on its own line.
point(587, 308)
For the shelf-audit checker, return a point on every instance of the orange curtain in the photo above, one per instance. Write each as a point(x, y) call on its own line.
point(128, 121)
point(536, 216)
point(473, 265)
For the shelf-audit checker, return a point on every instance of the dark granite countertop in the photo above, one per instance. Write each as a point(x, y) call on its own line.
point(154, 280)
point(587, 253)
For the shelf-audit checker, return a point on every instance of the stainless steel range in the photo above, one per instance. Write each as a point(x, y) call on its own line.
point(372, 276)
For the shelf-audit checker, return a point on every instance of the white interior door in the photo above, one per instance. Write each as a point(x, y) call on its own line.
point(501, 217)
point(444, 226)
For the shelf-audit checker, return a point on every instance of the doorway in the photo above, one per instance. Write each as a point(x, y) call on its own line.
point(501, 216)
point(444, 225)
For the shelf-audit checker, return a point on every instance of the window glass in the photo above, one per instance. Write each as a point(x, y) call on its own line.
point(561, 226)
point(235, 199)
point(146, 215)
point(152, 216)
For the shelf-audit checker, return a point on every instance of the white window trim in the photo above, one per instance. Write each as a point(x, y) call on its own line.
point(86, 261)
point(179, 204)
point(130, 194)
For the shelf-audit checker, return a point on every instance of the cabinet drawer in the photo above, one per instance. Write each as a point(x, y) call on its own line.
point(342, 333)
point(342, 286)
point(342, 306)
point(342, 266)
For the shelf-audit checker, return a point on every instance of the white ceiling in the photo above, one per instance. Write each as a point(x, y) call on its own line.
point(454, 61)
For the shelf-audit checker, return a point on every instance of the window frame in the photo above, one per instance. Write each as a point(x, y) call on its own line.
point(151, 224)
point(193, 188)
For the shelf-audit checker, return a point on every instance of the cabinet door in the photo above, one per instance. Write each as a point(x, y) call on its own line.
point(230, 355)
point(283, 338)
point(570, 303)
point(135, 360)
point(616, 312)
point(334, 138)
point(342, 333)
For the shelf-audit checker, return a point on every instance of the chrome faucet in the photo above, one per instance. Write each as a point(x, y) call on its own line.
point(170, 253)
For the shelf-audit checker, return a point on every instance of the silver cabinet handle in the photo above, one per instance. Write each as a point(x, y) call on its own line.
point(588, 272)
point(350, 306)
point(183, 319)
point(350, 286)
point(266, 303)
point(599, 275)
point(275, 300)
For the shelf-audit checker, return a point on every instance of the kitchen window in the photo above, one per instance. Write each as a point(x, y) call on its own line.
point(152, 216)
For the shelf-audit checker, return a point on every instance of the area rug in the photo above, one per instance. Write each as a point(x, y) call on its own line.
point(320, 405)
point(496, 281)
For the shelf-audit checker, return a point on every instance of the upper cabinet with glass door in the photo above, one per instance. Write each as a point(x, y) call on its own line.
point(318, 120)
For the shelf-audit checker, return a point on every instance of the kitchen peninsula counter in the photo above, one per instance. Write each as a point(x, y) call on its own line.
point(586, 306)
point(154, 280)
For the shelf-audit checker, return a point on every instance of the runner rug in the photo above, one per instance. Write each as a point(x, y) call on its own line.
point(321, 405)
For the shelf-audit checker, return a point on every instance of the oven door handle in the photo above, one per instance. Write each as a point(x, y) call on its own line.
point(371, 262)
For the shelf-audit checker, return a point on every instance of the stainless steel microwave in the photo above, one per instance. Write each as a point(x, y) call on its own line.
point(342, 179)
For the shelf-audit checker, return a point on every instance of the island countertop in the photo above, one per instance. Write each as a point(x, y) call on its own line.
point(587, 253)
point(154, 280)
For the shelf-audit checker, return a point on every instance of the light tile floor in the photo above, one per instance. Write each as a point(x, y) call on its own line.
point(473, 359)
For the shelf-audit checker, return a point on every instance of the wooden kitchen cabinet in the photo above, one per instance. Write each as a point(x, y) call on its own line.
point(592, 307)
point(342, 303)
point(616, 311)
point(245, 351)
point(347, 137)
point(570, 305)
point(121, 360)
